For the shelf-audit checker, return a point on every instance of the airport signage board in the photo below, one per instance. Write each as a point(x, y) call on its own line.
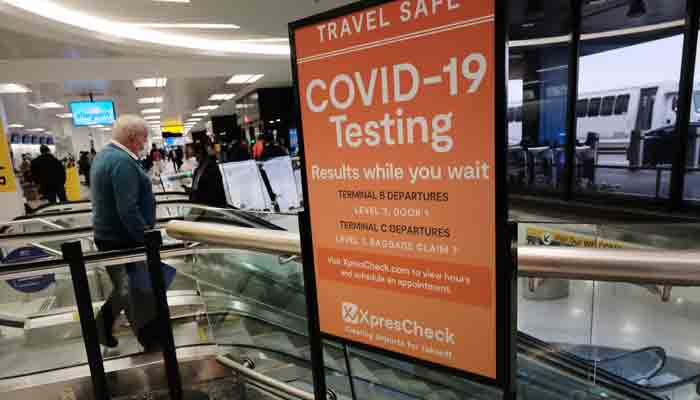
point(7, 174)
point(404, 187)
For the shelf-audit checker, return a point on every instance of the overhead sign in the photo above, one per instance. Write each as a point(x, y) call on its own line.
point(175, 128)
point(399, 138)
point(87, 113)
point(7, 174)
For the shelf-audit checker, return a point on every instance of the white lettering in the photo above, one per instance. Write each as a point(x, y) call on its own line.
point(309, 95)
point(415, 80)
point(342, 78)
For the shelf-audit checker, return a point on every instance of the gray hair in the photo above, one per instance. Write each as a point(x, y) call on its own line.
point(128, 126)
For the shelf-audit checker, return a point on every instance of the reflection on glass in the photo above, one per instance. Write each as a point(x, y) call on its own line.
point(628, 83)
point(537, 93)
point(39, 328)
point(692, 177)
point(644, 334)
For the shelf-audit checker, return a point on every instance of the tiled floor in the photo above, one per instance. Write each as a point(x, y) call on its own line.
point(617, 315)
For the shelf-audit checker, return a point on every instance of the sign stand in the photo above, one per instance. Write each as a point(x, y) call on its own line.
point(401, 108)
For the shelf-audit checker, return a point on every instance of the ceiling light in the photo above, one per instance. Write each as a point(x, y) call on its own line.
point(36, 130)
point(637, 9)
point(46, 106)
point(66, 115)
point(96, 126)
point(244, 78)
point(106, 129)
point(207, 108)
point(150, 111)
point(52, 10)
point(152, 117)
point(13, 88)
point(15, 126)
point(150, 100)
point(187, 26)
point(202, 114)
point(151, 83)
point(222, 97)
point(194, 120)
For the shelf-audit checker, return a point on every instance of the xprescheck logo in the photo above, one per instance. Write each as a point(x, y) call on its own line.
point(353, 314)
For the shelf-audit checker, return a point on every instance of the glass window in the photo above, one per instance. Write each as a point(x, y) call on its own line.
point(633, 67)
point(538, 83)
point(622, 104)
point(607, 107)
point(594, 107)
point(582, 108)
point(511, 114)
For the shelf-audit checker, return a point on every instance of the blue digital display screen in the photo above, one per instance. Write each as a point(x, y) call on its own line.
point(93, 112)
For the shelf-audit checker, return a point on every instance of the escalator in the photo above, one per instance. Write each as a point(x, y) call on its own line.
point(48, 231)
point(250, 307)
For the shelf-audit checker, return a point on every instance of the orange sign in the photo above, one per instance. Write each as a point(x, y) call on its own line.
point(397, 106)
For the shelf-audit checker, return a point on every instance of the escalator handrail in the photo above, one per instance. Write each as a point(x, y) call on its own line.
point(182, 202)
point(640, 266)
point(262, 240)
point(627, 354)
point(111, 257)
point(265, 379)
point(77, 202)
point(577, 366)
point(232, 212)
point(82, 230)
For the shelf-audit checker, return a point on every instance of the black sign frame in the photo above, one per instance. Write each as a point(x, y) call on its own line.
point(506, 268)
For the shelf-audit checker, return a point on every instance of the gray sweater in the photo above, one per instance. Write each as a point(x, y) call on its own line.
point(123, 205)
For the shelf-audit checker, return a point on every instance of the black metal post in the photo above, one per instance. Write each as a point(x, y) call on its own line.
point(318, 369)
point(348, 367)
point(572, 98)
point(172, 370)
point(685, 92)
point(73, 254)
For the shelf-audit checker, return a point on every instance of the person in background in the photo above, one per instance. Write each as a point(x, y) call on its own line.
point(272, 148)
point(123, 209)
point(26, 168)
point(84, 166)
point(156, 157)
point(207, 182)
point(258, 146)
point(48, 172)
point(239, 151)
point(179, 157)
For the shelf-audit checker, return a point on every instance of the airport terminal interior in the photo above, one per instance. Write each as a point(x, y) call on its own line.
point(601, 153)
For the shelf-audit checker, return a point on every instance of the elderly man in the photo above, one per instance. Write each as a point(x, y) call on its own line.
point(123, 209)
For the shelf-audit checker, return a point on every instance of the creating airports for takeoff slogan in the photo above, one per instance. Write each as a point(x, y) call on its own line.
point(398, 121)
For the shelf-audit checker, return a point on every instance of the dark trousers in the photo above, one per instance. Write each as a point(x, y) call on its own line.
point(52, 194)
point(120, 299)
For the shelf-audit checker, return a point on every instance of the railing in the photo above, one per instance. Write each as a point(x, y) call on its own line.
point(680, 268)
point(662, 267)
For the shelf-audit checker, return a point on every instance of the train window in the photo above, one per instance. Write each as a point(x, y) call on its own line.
point(607, 107)
point(621, 104)
point(581, 108)
point(519, 114)
point(594, 107)
point(511, 112)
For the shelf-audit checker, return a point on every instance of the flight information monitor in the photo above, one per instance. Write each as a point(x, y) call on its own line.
point(87, 113)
